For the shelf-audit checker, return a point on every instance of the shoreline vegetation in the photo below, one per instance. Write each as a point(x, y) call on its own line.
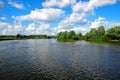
point(100, 35)
point(22, 37)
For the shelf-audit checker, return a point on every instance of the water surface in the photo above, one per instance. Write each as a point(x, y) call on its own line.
point(47, 59)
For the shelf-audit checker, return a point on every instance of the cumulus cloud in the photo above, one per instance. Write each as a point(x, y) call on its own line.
point(81, 7)
point(89, 6)
point(77, 17)
point(34, 28)
point(80, 11)
point(44, 26)
point(98, 3)
point(98, 22)
point(41, 19)
point(83, 30)
point(59, 3)
point(78, 29)
point(16, 5)
point(13, 30)
point(3, 18)
point(31, 27)
point(3, 24)
point(116, 24)
point(8, 29)
point(42, 15)
point(18, 28)
point(73, 19)
point(112, 24)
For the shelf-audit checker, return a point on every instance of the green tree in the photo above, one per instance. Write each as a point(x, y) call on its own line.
point(18, 36)
point(93, 34)
point(66, 36)
point(101, 31)
point(75, 37)
point(62, 36)
point(113, 33)
point(79, 35)
point(87, 36)
point(70, 34)
point(58, 35)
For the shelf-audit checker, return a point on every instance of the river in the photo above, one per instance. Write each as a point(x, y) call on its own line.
point(47, 59)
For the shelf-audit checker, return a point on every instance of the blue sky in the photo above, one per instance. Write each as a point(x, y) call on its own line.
point(52, 16)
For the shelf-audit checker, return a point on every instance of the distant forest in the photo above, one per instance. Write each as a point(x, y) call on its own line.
point(19, 36)
point(97, 35)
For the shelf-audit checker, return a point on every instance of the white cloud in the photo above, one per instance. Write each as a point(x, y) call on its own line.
point(81, 7)
point(78, 29)
point(42, 15)
point(16, 5)
point(4, 32)
point(18, 28)
point(7, 29)
point(3, 24)
point(59, 3)
point(83, 30)
point(3, 18)
point(98, 22)
point(42, 18)
point(98, 3)
point(77, 17)
point(116, 24)
point(31, 27)
point(101, 19)
point(80, 11)
point(88, 7)
point(112, 24)
point(44, 28)
point(72, 20)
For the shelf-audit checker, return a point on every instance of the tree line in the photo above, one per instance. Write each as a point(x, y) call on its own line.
point(98, 35)
point(19, 36)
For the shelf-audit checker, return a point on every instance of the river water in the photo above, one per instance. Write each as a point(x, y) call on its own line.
point(47, 59)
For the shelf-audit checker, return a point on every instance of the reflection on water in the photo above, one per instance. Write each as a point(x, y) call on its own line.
point(48, 59)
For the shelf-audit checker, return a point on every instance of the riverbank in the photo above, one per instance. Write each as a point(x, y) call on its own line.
point(22, 37)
